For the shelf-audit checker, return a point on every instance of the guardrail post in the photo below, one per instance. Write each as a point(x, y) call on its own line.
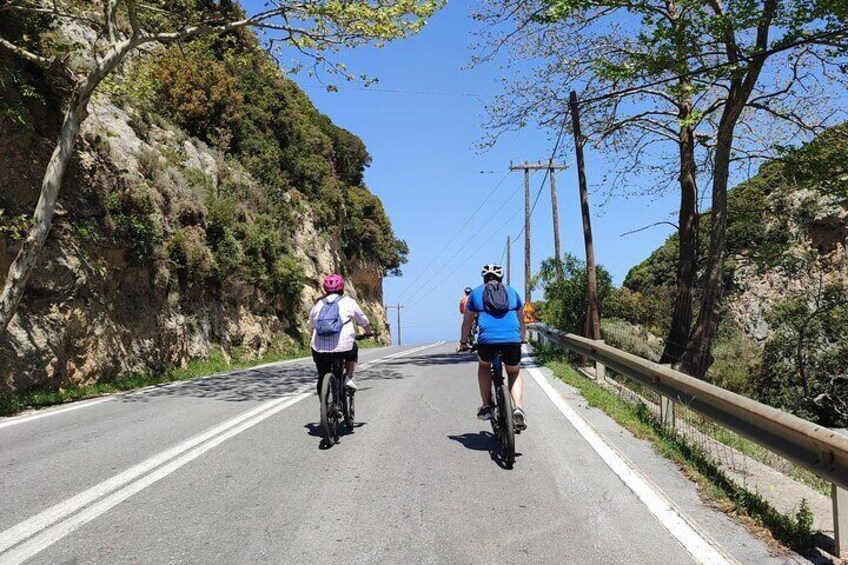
point(840, 517)
point(600, 369)
point(840, 520)
point(667, 419)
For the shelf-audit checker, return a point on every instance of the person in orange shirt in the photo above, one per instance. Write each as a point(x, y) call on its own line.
point(472, 335)
point(464, 300)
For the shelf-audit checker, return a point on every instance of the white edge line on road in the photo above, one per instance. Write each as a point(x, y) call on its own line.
point(53, 534)
point(16, 534)
point(14, 420)
point(656, 502)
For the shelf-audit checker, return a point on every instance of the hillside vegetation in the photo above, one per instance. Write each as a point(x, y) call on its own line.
point(784, 338)
point(784, 335)
point(204, 202)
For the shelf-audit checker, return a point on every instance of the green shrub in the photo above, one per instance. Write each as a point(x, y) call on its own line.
point(194, 261)
point(738, 359)
point(137, 224)
point(287, 279)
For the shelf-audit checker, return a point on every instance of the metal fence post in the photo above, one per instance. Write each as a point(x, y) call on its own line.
point(667, 419)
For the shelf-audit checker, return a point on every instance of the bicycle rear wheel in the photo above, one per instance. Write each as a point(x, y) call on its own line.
point(506, 424)
point(329, 413)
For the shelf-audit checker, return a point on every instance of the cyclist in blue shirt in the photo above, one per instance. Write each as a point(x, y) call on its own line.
point(497, 308)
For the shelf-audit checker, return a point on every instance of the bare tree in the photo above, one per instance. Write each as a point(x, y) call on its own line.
point(314, 28)
point(657, 75)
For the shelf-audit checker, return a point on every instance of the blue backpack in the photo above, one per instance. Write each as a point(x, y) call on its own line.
point(329, 320)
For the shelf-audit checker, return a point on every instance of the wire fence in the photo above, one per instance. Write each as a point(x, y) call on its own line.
point(725, 448)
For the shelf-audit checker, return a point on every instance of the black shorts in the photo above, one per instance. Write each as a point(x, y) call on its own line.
point(510, 352)
point(324, 361)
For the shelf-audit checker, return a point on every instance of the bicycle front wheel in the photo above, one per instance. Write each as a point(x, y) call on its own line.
point(329, 414)
point(506, 425)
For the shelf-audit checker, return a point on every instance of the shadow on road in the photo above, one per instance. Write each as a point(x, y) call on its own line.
point(482, 441)
point(266, 383)
point(314, 430)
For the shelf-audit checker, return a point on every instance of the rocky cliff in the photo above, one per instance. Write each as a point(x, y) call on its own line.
point(170, 240)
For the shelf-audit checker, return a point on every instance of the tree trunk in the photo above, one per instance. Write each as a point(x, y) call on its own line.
point(26, 259)
point(687, 234)
point(698, 357)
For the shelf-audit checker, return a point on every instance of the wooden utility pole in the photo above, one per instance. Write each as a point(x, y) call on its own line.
point(592, 328)
point(527, 269)
point(508, 258)
point(527, 167)
point(555, 211)
point(398, 307)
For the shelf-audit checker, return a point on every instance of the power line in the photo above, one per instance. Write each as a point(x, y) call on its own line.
point(468, 258)
point(452, 239)
point(462, 248)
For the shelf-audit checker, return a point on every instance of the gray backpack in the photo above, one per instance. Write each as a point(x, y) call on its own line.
point(496, 298)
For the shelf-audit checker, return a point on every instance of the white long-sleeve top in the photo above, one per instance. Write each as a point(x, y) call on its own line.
point(344, 340)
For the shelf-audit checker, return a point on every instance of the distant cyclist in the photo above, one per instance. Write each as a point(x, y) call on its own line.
point(497, 308)
point(473, 331)
point(464, 300)
point(333, 321)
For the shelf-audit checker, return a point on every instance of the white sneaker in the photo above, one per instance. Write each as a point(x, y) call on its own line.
point(350, 384)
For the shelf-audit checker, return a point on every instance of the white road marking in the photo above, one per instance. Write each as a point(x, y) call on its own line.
point(16, 534)
point(657, 503)
point(13, 421)
point(401, 354)
point(70, 522)
point(22, 541)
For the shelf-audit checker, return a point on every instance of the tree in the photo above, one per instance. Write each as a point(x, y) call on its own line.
point(316, 29)
point(657, 74)
point(565, 297)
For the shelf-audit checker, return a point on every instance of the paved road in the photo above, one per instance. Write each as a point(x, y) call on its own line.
point(228, 470)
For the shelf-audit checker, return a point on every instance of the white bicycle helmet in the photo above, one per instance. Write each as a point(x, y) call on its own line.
point(492, 269)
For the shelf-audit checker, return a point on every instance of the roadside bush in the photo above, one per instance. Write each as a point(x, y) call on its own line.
point(287, 278)
point(738, 359)
point(193, 260)
point(136, 224)
point(566, 300)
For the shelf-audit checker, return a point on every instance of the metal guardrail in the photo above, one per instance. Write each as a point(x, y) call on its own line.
point(821, 450)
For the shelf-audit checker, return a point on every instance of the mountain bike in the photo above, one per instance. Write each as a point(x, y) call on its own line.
point(503, 424)
point(338, 404)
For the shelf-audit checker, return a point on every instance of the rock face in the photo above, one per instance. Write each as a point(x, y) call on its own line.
point(816, 256)
point(91, 312)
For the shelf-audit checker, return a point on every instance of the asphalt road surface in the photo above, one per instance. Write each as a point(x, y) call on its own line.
point(228, 469)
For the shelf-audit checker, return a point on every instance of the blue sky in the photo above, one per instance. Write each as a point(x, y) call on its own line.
point(431, 177)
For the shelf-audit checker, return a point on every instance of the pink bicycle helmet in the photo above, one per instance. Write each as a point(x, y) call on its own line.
point(333, 283)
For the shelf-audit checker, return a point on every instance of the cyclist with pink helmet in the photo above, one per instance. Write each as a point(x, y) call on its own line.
point(333, 322)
